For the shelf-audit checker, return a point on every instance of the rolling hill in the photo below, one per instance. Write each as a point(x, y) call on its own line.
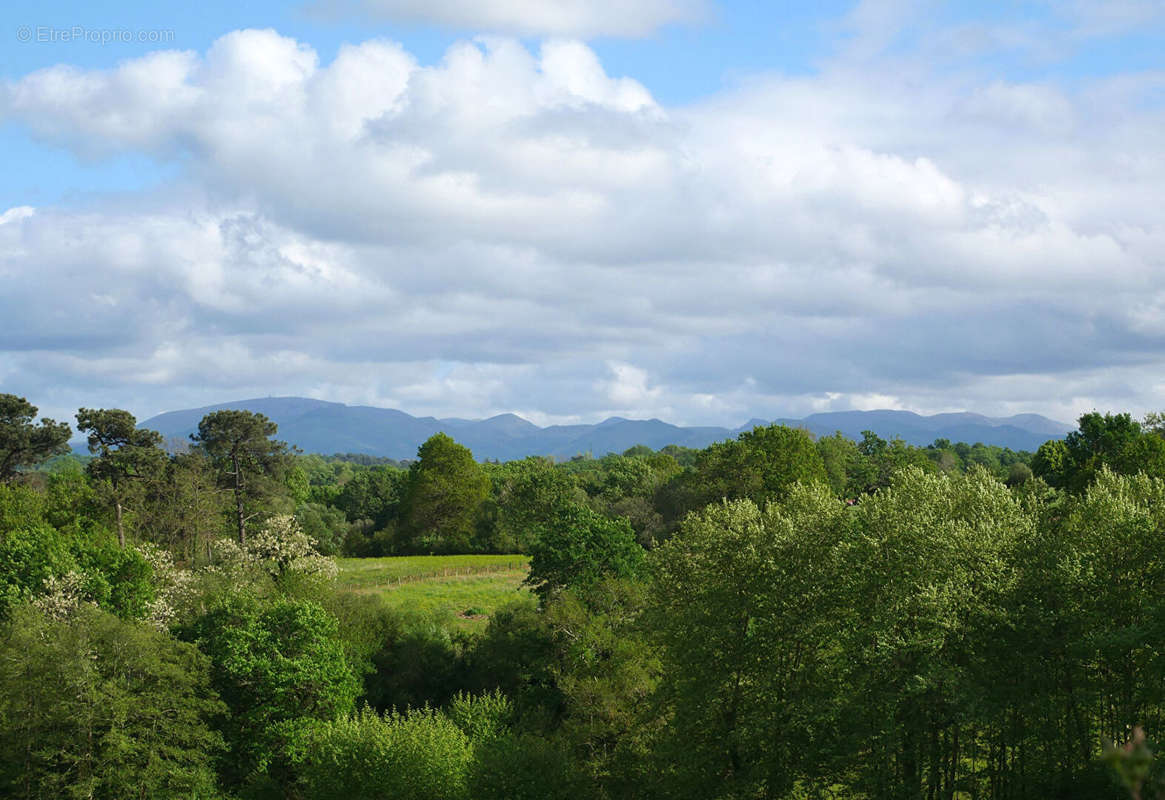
point(318, 426)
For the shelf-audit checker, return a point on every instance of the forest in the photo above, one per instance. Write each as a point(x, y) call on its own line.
point(773, 616)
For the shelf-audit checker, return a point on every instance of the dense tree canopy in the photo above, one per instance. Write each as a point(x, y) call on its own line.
point(96, 707)
point(1112, 441)
point(272, 666)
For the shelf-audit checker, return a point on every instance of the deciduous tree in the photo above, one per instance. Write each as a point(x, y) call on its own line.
point(443, 497)
point(579, 547)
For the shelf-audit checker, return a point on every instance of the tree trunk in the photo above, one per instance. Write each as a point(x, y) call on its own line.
point(239, 501)
point(120, 528)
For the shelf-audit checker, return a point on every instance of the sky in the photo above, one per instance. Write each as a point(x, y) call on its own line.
point(704, 211)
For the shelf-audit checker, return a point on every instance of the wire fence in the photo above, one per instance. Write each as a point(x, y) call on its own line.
point(454, 572)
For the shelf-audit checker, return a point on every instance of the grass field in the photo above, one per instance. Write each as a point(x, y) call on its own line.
point(465, 589)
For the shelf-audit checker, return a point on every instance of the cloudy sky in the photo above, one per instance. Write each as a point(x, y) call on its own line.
point(699, 210)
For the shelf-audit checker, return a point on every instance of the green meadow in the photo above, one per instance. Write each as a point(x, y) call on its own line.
point(464, 588)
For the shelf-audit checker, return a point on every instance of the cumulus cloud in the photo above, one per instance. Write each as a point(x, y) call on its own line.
point(515, 229)
point(575, 18)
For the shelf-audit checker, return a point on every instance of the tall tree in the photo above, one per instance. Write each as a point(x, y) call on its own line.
point(125, 454)
point(443, 497)
point(22, 442)
point(744, 604)
point(245, 457)
point(527, 494)
point(1049, 462)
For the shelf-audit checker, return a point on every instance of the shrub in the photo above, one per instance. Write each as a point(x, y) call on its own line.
point(421, 755)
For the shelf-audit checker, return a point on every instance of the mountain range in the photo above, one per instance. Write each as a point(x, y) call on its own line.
point(318, 426)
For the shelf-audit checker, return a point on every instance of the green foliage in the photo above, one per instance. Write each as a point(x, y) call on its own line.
point(684, 456)
point(482, 717)
point(418, 665)
point(96, 707)
point(933, 579)
point(523, 767)
point(839, 456)
point(20, 507)
point(364, 623)
point(626, 486)
point(325, 525)
point(272, 666)
point(120, 581)
point(29, 556)
point(183, 509)
point(442, 498)
point(606, 670)
point(372, 494)
point(1050, 461)
point(880, 460)
point(516, 654)
point(1018, 474)
point(579, 548)
point(418, 755)
point(23, 443)
point(527, 495)
point(72, 504)
point(761, 465)
point(742, 607)
point(123, 454)
point(245, 457)
point(1115, 441)
point(34, 554)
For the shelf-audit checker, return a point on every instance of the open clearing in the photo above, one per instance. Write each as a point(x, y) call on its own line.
point(466, 589)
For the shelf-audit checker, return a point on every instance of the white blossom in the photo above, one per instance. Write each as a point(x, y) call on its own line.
point(63, 595)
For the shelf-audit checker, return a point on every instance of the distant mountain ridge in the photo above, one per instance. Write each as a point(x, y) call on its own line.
point(319, 426)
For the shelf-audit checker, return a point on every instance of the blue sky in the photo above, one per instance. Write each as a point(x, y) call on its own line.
point(704, 211)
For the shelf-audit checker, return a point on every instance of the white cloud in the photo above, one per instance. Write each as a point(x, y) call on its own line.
point(576, 18)
point(16, 214)
point(516, 229)
point(627, 387)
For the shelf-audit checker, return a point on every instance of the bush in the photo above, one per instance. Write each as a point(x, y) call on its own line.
point(421, 755)
point(482, 717)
